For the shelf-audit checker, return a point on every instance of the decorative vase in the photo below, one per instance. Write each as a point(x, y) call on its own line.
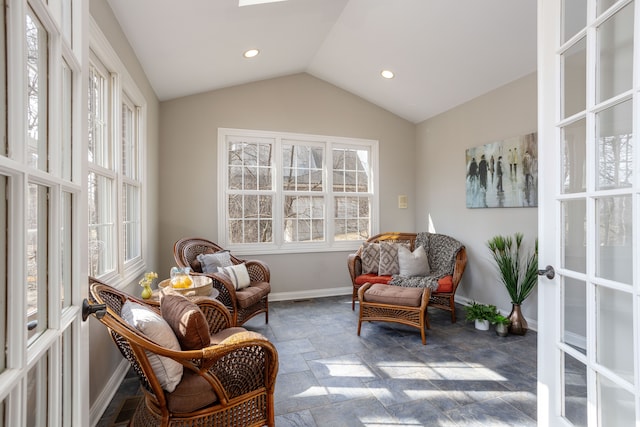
point(518, 322)
point(146, 292)
point(502, 330)
point(482, 325)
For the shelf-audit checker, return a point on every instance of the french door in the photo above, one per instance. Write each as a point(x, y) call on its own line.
point(44, 370)
point(589, 314)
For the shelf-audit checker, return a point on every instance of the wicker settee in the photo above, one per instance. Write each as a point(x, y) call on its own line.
point(447, 259)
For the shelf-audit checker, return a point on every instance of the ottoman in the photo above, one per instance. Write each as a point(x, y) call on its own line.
point(388, 303)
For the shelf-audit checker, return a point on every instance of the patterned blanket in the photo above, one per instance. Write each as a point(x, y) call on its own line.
point(441, 253)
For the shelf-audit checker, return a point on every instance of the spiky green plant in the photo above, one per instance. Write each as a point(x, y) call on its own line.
point(518, 271)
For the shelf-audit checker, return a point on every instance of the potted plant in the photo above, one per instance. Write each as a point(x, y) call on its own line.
point(502, 324)
point(481, 314)
point(518, 272)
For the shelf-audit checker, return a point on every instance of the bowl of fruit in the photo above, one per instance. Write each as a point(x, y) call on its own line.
point(189, 285)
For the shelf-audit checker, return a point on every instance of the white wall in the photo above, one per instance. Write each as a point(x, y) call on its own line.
point(440, 184)
point(298, 103)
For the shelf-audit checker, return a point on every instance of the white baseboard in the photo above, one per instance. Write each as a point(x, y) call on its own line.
point(315, 293)
point(108, 391)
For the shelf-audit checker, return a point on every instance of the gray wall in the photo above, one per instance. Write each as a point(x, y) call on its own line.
point(440, 181)
point(297, 103)
point(103, 354)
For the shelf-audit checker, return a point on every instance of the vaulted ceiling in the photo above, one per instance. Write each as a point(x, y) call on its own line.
point(443, 52)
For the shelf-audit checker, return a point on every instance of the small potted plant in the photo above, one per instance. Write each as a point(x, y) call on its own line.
point(502, 324)
point(481, 314)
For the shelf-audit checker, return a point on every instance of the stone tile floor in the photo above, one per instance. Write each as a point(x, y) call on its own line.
point(329, 376)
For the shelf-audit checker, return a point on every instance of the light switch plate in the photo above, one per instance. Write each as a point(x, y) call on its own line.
point(402, 201)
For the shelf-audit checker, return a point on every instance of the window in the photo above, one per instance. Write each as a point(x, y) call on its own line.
point(296, 192)
point(115, 178)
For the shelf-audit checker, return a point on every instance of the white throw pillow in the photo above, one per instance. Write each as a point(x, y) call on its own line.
point(154, 327)
point(413, 263)
point(238, 274)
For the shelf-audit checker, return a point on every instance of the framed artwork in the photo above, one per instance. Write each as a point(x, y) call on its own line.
point(503, 174)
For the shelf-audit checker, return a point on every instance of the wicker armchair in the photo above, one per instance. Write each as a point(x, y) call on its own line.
point(240, 372)
point(243, 304)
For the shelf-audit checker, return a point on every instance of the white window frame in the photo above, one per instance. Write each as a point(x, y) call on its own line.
point(122, 89)
point(279, 246)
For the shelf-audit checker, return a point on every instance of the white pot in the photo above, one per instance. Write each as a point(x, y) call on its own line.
point(482, 325)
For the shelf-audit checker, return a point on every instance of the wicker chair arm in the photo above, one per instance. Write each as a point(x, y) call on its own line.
point(258, 270)
point(241, 364)
point(227, 292)
point(354, 263)
point(217, 315)
point(461, 263)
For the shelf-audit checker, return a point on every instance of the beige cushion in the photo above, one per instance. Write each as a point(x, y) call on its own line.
point(252, 294)
point(413, 263)
point(186, 320)
point(154, 327)
point(389, 258)
point(238, 275)
point(394, 295)
point(222, 335)
point(370, 256)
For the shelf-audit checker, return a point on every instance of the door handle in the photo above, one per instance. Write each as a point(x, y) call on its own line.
point(88, 309)
point(548, 271)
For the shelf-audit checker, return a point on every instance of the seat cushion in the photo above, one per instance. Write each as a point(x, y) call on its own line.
point(192, 393)
point(445, 284)
point(218, 337)
point(252, 294)
point(372, 278)
point(394, 295)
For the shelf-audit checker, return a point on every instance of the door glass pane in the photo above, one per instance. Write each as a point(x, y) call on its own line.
point(613, 248)
point(575, 391)
point(65, 249)
point(37, 91)
point(37, 394)
point(67, 92)
point(101, 225)
point(574, 215)
point(614, 154)
point(66, 21)
point(574, 63)
point(131, 210)
point(615, 54)
point(574, 299)
point(37, 260)
point(614, 322)
point(603, 5)
point(574, 157)
point(3, 87)
point(3, 412)
point(574, 17)
point(67, 372)
point(617, 406)
point(4, 208)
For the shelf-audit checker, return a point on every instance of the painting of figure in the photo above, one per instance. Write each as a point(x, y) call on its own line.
point(503, 174)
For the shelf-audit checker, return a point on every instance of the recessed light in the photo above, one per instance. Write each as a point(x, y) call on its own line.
point(387, 74)
point(254, 2)
point(251, 53)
